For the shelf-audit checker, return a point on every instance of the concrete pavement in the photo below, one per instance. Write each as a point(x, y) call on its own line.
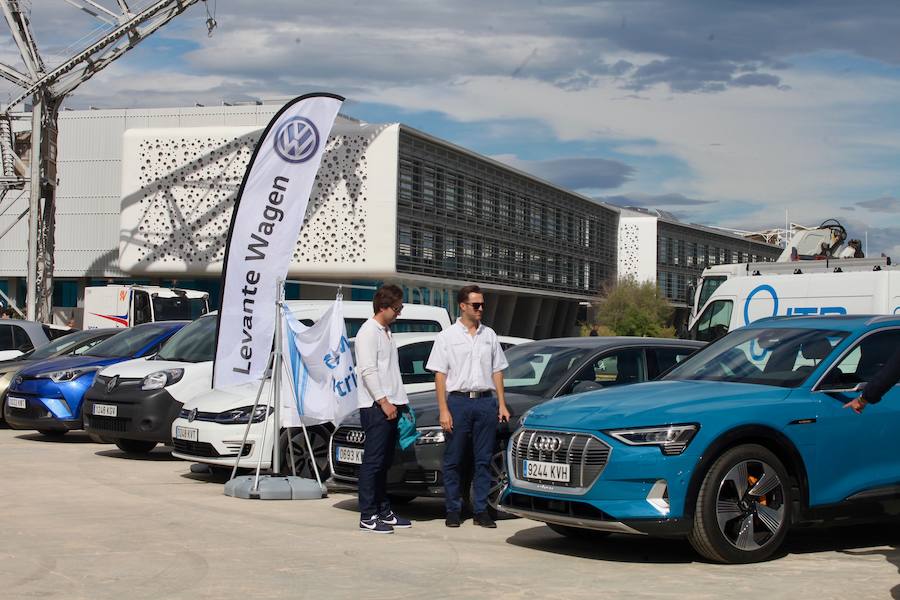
point(82, 520)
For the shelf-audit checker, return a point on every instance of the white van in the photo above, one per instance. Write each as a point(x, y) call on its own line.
point(740, 301)
point(129, 305)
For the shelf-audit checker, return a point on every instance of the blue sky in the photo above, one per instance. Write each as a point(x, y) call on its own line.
point(725, 113)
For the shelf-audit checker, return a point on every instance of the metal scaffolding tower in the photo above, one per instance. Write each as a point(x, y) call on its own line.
point(48, 87)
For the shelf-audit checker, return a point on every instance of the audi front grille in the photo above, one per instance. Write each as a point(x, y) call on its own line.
point(585, 454)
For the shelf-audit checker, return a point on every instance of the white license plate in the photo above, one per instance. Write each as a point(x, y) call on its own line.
point(186, 433)
point(353, 456)
point(106, 410)
point(17, 402)
point(545, 471)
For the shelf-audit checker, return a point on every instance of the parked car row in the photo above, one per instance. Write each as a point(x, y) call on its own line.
point(727, 445)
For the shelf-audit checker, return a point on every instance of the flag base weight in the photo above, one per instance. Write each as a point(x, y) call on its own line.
point(273, 487)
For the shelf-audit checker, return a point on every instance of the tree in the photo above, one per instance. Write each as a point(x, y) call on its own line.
point(633, 308)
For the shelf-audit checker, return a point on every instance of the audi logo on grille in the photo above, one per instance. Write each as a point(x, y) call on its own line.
point(547, 443)
point(355, 436)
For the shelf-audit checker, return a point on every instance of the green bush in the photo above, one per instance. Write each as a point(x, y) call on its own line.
point(632, 308)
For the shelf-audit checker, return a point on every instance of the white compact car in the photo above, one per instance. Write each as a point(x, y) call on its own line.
point(18, 337)
point(211, 426)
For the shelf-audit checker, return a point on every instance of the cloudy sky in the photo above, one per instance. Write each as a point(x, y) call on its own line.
point(721, 112)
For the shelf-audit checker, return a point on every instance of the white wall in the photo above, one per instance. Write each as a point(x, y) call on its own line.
point(637, 246)
point(179, 187)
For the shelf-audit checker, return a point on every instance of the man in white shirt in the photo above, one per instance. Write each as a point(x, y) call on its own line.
point(468, 363)
point(379, 398)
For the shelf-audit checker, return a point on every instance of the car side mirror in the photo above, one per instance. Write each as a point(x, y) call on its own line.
point(586, 386)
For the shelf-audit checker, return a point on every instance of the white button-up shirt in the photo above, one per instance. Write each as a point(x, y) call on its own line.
point(469, 361)
point(377, 363)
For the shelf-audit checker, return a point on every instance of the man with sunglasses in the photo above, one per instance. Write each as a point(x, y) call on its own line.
point(378, 398)
point(468, 363)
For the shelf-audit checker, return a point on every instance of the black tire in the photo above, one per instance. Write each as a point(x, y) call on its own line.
point(135, 446)
point(742, 513)
point(53, 433)
point(400, 500)
point(577, 533)
point(319, 437)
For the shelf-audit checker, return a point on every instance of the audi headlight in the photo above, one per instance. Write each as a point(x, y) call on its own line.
point(430, 435)
point(242, 415)
point(671, 439)
point(68, 374)
point(160, 379)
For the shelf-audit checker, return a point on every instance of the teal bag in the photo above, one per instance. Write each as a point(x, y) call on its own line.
point(406, 427)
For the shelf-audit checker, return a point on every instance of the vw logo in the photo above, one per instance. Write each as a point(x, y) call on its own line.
point(297, 140)
point(547, 443)
point(356, 436)
point(192, 415)
point(112, 383)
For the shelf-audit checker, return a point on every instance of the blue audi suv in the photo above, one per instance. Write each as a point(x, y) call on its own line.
point(48, 395)
point(731, 448)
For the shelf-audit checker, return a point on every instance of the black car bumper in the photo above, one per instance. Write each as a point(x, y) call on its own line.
point(139, 415)
point(573, 513)
point(36, 416)
point(415, 471)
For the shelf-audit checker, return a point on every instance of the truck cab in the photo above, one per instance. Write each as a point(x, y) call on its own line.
point(130, 305)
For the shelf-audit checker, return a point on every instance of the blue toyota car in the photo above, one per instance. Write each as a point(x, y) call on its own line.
point(729, 449)
point(48, 395)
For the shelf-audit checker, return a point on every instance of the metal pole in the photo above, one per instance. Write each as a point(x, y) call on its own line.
point(34, 200)
point(276, 378)
point(262, 384)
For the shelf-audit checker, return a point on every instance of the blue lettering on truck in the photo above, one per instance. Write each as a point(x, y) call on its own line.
point(791, 310)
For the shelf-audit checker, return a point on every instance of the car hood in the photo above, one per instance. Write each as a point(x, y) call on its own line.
point(652, 403)
point(220, 400)
point(16, 364)
point(197, 376)
point(67, 362)
point(425, 406)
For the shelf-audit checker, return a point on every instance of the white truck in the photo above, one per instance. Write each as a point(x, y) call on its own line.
point(738, 301)
point(129, 305)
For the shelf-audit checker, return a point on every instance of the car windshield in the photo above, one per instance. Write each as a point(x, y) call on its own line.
point(536, 369)
point(129, 342)
point(769, 356)
point(196, 342)
point(73, 341)
point(178, 308)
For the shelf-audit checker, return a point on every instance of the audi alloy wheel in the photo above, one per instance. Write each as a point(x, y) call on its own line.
point(742, 511)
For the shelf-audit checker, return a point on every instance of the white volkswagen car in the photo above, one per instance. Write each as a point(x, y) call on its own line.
point(210, 427)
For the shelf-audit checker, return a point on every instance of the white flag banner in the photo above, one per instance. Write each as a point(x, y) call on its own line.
point(320, 378)
point(265, 225)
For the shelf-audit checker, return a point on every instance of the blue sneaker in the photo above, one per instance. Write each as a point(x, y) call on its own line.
point(375, 525)
point(390, 518)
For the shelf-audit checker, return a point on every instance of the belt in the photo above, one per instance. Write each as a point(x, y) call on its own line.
point(483, 394)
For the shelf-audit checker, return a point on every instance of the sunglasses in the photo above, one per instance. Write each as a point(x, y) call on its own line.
point(397, 308)
point(476, 305)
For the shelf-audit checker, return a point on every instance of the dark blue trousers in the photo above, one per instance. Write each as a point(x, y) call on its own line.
point(378, 454)
point(475, 420)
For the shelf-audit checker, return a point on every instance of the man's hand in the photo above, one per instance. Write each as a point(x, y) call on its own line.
point(503, 414)
point(390, 411)
point(446, 421)
point(857, 404)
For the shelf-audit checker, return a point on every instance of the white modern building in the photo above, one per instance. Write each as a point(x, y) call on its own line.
point(146, 195)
